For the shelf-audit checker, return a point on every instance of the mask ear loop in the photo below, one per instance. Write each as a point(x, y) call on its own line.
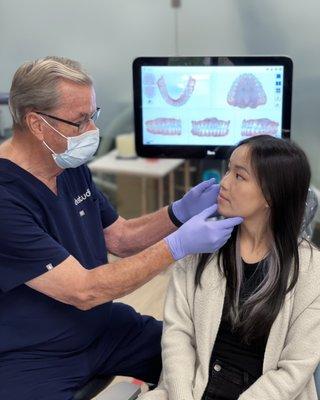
point(47, 146)
point(53, 153)
point(52, 127)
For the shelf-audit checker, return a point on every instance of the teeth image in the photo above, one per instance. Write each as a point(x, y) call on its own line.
point(195, 128)
point(255, 129)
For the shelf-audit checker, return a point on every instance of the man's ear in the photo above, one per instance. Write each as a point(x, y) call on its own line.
point(35, 124)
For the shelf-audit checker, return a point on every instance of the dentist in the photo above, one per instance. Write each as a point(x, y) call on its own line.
point(58, 323)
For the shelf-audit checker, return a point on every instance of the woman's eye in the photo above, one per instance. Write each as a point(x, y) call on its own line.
point(239, 177)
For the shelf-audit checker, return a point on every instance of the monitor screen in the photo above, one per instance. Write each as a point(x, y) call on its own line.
point(200, 106)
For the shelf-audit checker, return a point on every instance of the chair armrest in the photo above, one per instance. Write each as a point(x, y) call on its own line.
point(120, 391)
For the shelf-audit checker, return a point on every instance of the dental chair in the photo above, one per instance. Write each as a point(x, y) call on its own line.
point(307, 230)
point(309, 214)
point(119, 391)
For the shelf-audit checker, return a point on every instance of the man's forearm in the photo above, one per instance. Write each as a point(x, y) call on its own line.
point(142, 232)
point(114, 280)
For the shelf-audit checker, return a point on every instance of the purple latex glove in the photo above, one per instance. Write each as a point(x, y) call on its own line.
point(199, 235)
point(196, 200)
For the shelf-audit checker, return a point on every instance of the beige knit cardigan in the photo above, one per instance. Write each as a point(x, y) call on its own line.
point(192, 318)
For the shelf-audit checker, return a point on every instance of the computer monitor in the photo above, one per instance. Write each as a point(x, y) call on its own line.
point(197, 107)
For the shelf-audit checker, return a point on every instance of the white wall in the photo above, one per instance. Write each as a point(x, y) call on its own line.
point(106, 35)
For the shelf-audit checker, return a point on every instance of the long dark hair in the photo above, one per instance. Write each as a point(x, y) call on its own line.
point(283, 172)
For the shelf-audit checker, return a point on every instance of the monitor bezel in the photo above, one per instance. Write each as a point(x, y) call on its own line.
point(196, 151)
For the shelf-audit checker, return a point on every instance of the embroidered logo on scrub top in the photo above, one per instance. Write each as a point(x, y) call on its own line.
point(82, 197)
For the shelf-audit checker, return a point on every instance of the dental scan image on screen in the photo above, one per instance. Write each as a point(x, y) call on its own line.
point(210, 105)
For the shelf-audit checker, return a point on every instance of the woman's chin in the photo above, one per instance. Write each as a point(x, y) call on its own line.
point(224, 212)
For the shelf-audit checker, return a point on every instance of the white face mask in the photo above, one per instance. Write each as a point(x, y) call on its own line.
point(80, 149)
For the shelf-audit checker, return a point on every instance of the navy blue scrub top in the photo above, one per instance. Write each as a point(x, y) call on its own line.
point(39, 230)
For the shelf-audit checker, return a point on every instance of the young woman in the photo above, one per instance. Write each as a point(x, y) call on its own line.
point(245, 323)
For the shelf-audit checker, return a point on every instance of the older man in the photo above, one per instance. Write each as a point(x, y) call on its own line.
point(58, 324)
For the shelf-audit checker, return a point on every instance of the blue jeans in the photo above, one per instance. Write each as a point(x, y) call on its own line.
point(226, 382)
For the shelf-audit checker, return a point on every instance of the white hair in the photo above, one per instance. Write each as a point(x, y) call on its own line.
point(35, 85)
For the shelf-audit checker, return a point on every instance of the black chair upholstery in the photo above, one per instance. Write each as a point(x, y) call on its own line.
point(93, 387)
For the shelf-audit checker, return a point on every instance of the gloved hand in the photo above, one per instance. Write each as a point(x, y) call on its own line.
point(201, 236)
point(196, 200)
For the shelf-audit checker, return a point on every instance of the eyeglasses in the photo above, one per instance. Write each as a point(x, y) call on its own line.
point(80, 125)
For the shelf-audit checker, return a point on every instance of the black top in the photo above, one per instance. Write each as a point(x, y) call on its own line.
point(229, 346)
